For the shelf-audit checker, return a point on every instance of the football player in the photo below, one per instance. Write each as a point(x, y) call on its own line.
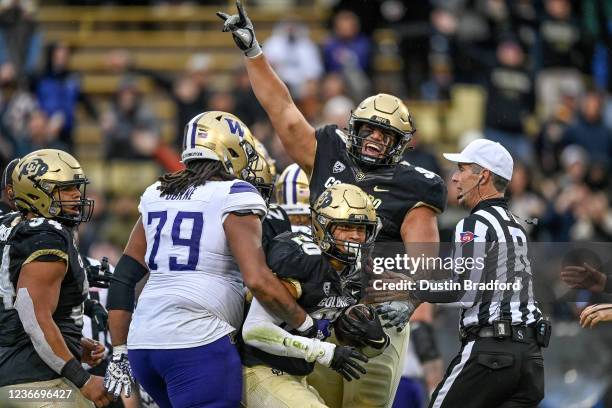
point(315, 269)
point(198, 239)
point(6, 188)
point(293, 195)
point(264, 175)
point(44, 284)
point(369, 155)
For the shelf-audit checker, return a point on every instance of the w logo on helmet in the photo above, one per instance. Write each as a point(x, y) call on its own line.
point(235, 127)
point(34, 169)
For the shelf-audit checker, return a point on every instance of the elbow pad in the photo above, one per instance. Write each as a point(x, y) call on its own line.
point(424, 341)
point(121, 294)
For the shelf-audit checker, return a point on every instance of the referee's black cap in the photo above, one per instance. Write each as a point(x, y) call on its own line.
point(6, 174)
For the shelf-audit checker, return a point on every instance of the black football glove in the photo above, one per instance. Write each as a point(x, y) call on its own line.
point(96, 312)
point(345, 362)
point(365, 331)
point(242, 30)
point(99, 276)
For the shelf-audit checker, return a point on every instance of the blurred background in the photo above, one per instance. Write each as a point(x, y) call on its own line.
point(114, 82)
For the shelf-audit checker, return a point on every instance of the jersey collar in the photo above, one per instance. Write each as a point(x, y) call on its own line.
point(500, 202)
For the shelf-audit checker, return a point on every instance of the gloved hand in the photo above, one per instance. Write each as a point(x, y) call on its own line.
point(96, 312)
point(242, 30)
point(99, 276)
point(119, 375)
point(361, 328)
point(345, 362)
point(318, 330)
point(396, 313)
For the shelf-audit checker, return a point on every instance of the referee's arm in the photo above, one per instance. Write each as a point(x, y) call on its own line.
point(470, 244)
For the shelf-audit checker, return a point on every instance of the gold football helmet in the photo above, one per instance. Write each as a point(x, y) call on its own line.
point(220, 136)
point(6, 184)
point(266, 155)
point(388, 113)
point(264, 172)
point(293, 195)
point(343, 204)
point(37, 179)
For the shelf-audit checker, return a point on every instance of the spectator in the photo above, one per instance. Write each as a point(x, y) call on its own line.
point(293, 54)
point(558, 55)
point(549, 143)
point(570, 194)
point(589, 131)
point(58, 91)
point(593, 219)
point(413, 28)
point(247, 106)
point(41, 133)
point(20, 38)
point(348, 48)
point(526, 203)
point(509, 100)
point(16, 104)
point(598, 26)
point(129, 126)
point(189, 92)
point(337, 110)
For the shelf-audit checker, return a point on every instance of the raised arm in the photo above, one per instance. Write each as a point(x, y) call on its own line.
point(296, 134)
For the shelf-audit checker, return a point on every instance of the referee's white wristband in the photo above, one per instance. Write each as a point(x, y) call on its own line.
point(308, 323)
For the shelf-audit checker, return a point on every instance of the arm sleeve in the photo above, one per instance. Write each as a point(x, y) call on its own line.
point(243, 197)
point(468, 262)
point(261, 330)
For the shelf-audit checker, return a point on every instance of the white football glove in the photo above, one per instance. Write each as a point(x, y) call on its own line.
point(119, 375)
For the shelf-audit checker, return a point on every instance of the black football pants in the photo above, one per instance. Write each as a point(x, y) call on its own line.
point(490, 372)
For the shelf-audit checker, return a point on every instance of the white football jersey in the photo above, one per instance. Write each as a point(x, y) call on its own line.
point(194, 294)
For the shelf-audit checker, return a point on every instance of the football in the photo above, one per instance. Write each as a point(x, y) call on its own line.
point(345, 326)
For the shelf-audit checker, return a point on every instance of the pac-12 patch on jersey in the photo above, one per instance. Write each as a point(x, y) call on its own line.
point(466, 237)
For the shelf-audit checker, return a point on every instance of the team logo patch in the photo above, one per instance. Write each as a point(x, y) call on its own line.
point(360, 176)
point(338, 167)
point(34, 169)
point(465, 237)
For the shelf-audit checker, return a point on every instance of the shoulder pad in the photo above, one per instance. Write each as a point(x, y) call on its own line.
point(426, 187)
point(294, 255)
point(342, 135)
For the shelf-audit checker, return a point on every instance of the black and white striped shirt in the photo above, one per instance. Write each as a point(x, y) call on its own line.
point(492, 233)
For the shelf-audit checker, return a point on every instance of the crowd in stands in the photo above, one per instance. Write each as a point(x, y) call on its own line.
point(544, 65)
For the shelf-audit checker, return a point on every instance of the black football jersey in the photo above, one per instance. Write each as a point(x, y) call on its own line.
point(394, 190)
point(324, 292)
point(4, 208)
point(275, 223)
point(41, 240)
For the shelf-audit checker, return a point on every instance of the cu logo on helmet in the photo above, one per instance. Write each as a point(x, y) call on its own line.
point(325, 200)
point(34, 169)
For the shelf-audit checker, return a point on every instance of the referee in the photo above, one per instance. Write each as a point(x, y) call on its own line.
point(500, 362)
